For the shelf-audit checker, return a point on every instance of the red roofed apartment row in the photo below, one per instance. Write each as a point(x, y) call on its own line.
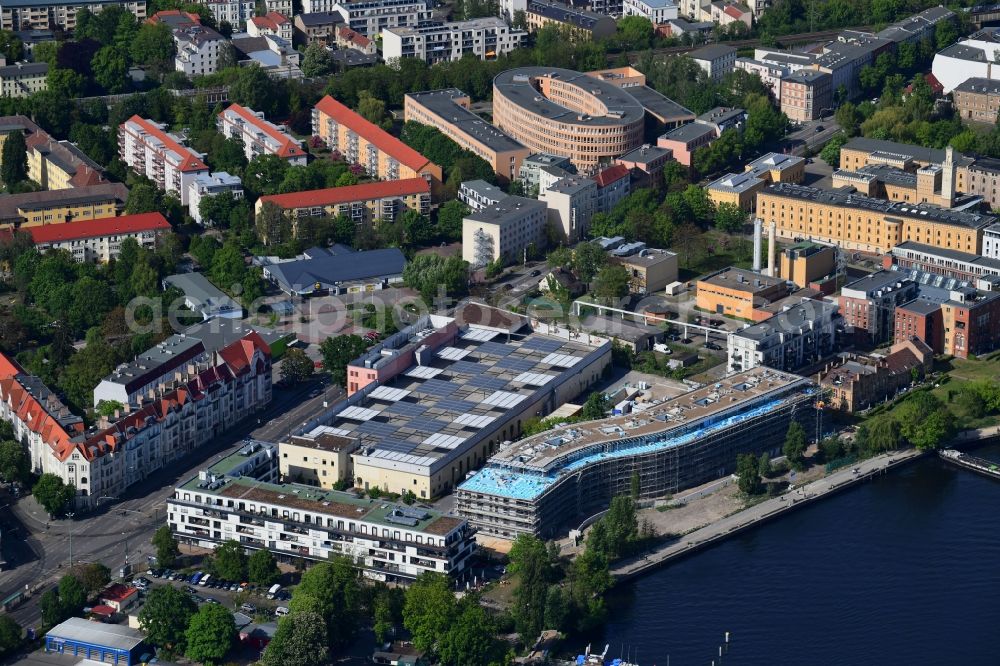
point(258, 135)
point(363, 203)
point(232, 386)
point(149, 150)
point(174, 18)
point(351, 135)
point(351, 39)
point(99, 240)
point(271, 23)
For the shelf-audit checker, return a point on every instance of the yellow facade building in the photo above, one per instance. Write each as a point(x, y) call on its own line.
point(865, 224)
point(740, 189)
point(32, 209)
point(318, 458)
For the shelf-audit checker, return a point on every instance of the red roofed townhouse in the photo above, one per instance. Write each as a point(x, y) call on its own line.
point(174, 19)
point(99, 240)
point(271, 23)
point(365, 203)
point(119, 597)
point(351, 39)
point(613, 185)
point(149, 150)
point(258, 136)
point(382, 155)
point(214, 393)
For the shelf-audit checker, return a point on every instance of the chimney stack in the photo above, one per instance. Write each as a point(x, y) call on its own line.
point(758, 230)
point(771, 249)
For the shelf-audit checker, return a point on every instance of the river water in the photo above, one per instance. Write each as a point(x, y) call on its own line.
point(904, 569)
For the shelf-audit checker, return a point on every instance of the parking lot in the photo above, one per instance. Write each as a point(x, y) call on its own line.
point(231, 594)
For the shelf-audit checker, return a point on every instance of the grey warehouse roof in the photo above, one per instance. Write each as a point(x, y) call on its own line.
point(330, 270)
point(510, 210)
point(320, 18)
point(516, 86)
point(659, 105)
point(27, 68)
point(712, 52)
point(201, 292)
point(689, 132)
point(97, 633)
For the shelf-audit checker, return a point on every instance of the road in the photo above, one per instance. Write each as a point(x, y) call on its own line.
point(37, 549)
point(807, 137)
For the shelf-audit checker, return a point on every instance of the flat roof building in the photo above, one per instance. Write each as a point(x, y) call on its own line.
point(478, 194)
point(504, 230)
point(236, 499)
point(582, 24)
point(30, 209)
point(544, 484)
point(562, 112)
point(871, 225)
point(800, 335)
point(97, 641)
point(203, 297)
point(716, 60)
point(736, 292)
point(740, 189)
point(17, 15)
point(433, 402)
point(321, 271)
point(650, 270)
point(981, 271)
point(448, 111)
point(486, 38)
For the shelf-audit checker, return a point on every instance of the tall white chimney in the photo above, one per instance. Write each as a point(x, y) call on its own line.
point(772, 232)
point(758, 231)
point(948, 178)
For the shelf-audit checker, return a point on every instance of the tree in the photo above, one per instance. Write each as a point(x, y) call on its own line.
point(729, 217)
point(748, 470)
point(110, 67)
point(449, 219)
point(10, 635)
point(849, 118)
point(53, 494)
point(316, 61)
point(331, 589)
point(337, 352)
point(154, 47)
point(764, 466)
point(831, 151)
point(588, 259)
point(94, 576)
point(430, 610)
point(595, 407)
point(383, 624)
point(264, 173)
point(72, 595)
point(229, 562)
point(430, 273)
point(142, 198)
point(878, 434)
point(210, 634)
point(611, 283)
point(296, 367)
point(471, 637)
point(300, 641)
point(14, 463)
point(924, 420)
point(14, 165)
point(529, 559)
point(166, 547)
point(52, 611)
point(261, 568)
point(165, 617)
point(795, 445)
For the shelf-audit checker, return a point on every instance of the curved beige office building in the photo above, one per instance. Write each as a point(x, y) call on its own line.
point(566, 113)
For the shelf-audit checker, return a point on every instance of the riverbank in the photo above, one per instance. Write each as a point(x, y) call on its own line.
point(734, 523)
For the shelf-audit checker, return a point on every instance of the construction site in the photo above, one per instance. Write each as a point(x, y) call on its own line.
point(544, 485)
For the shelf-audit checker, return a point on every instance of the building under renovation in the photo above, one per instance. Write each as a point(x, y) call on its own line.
point(545, 484)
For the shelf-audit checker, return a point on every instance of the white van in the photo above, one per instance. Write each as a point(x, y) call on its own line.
point(280, 611)
point(273, 592)
point(204, 580)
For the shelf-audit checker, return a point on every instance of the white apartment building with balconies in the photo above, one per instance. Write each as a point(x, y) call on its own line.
point(486, 38)
point(258, 136)
point(198, 49)
point(149, 150)
point(371, 17)
point(233, 12)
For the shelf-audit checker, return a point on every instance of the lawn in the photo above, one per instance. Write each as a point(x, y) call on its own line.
point(957, 373)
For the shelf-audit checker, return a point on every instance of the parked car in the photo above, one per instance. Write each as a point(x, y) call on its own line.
point(248, 609)
point(195, 577)
point(235, 587)
point(280, 611)
point(190, 590)
point(156, 573)
point(535, 273)
point(210, 600)
point(712, 346)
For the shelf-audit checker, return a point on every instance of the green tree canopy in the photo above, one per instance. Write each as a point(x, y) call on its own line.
point(54, 495)
point(296, 367)
point(339, 350)
point(165, 617)
point(167, 550)
point(795, 445)
point(210, 634)
point(14, 164)
point(300, 641)
point(430, 610)
point(14, 463)
point(229, 562)
point(748, 469)
point(261, 568)
point(10, 635)
point(331, 590)
point(529, 560)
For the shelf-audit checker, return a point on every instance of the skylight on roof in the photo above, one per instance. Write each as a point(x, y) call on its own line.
point(388, 393)
point(474, 420)
point(355, 413)
point(534, 378)
point(561, 360)
point(453, 353)
point(479, 334)
point(423, 372)
point(444, 441)
point(503, 399)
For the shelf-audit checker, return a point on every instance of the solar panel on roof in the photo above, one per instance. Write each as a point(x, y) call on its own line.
point(425, 425)
point(534, 378)
point(453, 353)
point(377, 428)
point(487, 382)
point(423, 372)
point(517, 364)
point(561, 360)
point(358, 413)
point(437, 387)
point(466, 367)
point(388, 393)
point(542, 344)
point(479, 334)
point(396, 445)
point(503, 399)
point(460, 406)
point(474, 420)
point(410, 409)
point(494, 349)
point(443, 441)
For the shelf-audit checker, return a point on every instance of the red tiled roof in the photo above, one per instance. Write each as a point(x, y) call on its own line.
point(108, 226)
point(289, 146)
point(372, 133)
point(611, 175)
point(734, 12)
point(269, 20)
point(117, 592)
point(101, 609)
point(354, 37)
point(338, 195)
point(191, 161)
point(164, 13)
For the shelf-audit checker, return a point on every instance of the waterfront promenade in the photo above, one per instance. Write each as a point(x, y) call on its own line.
point(758, 513)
